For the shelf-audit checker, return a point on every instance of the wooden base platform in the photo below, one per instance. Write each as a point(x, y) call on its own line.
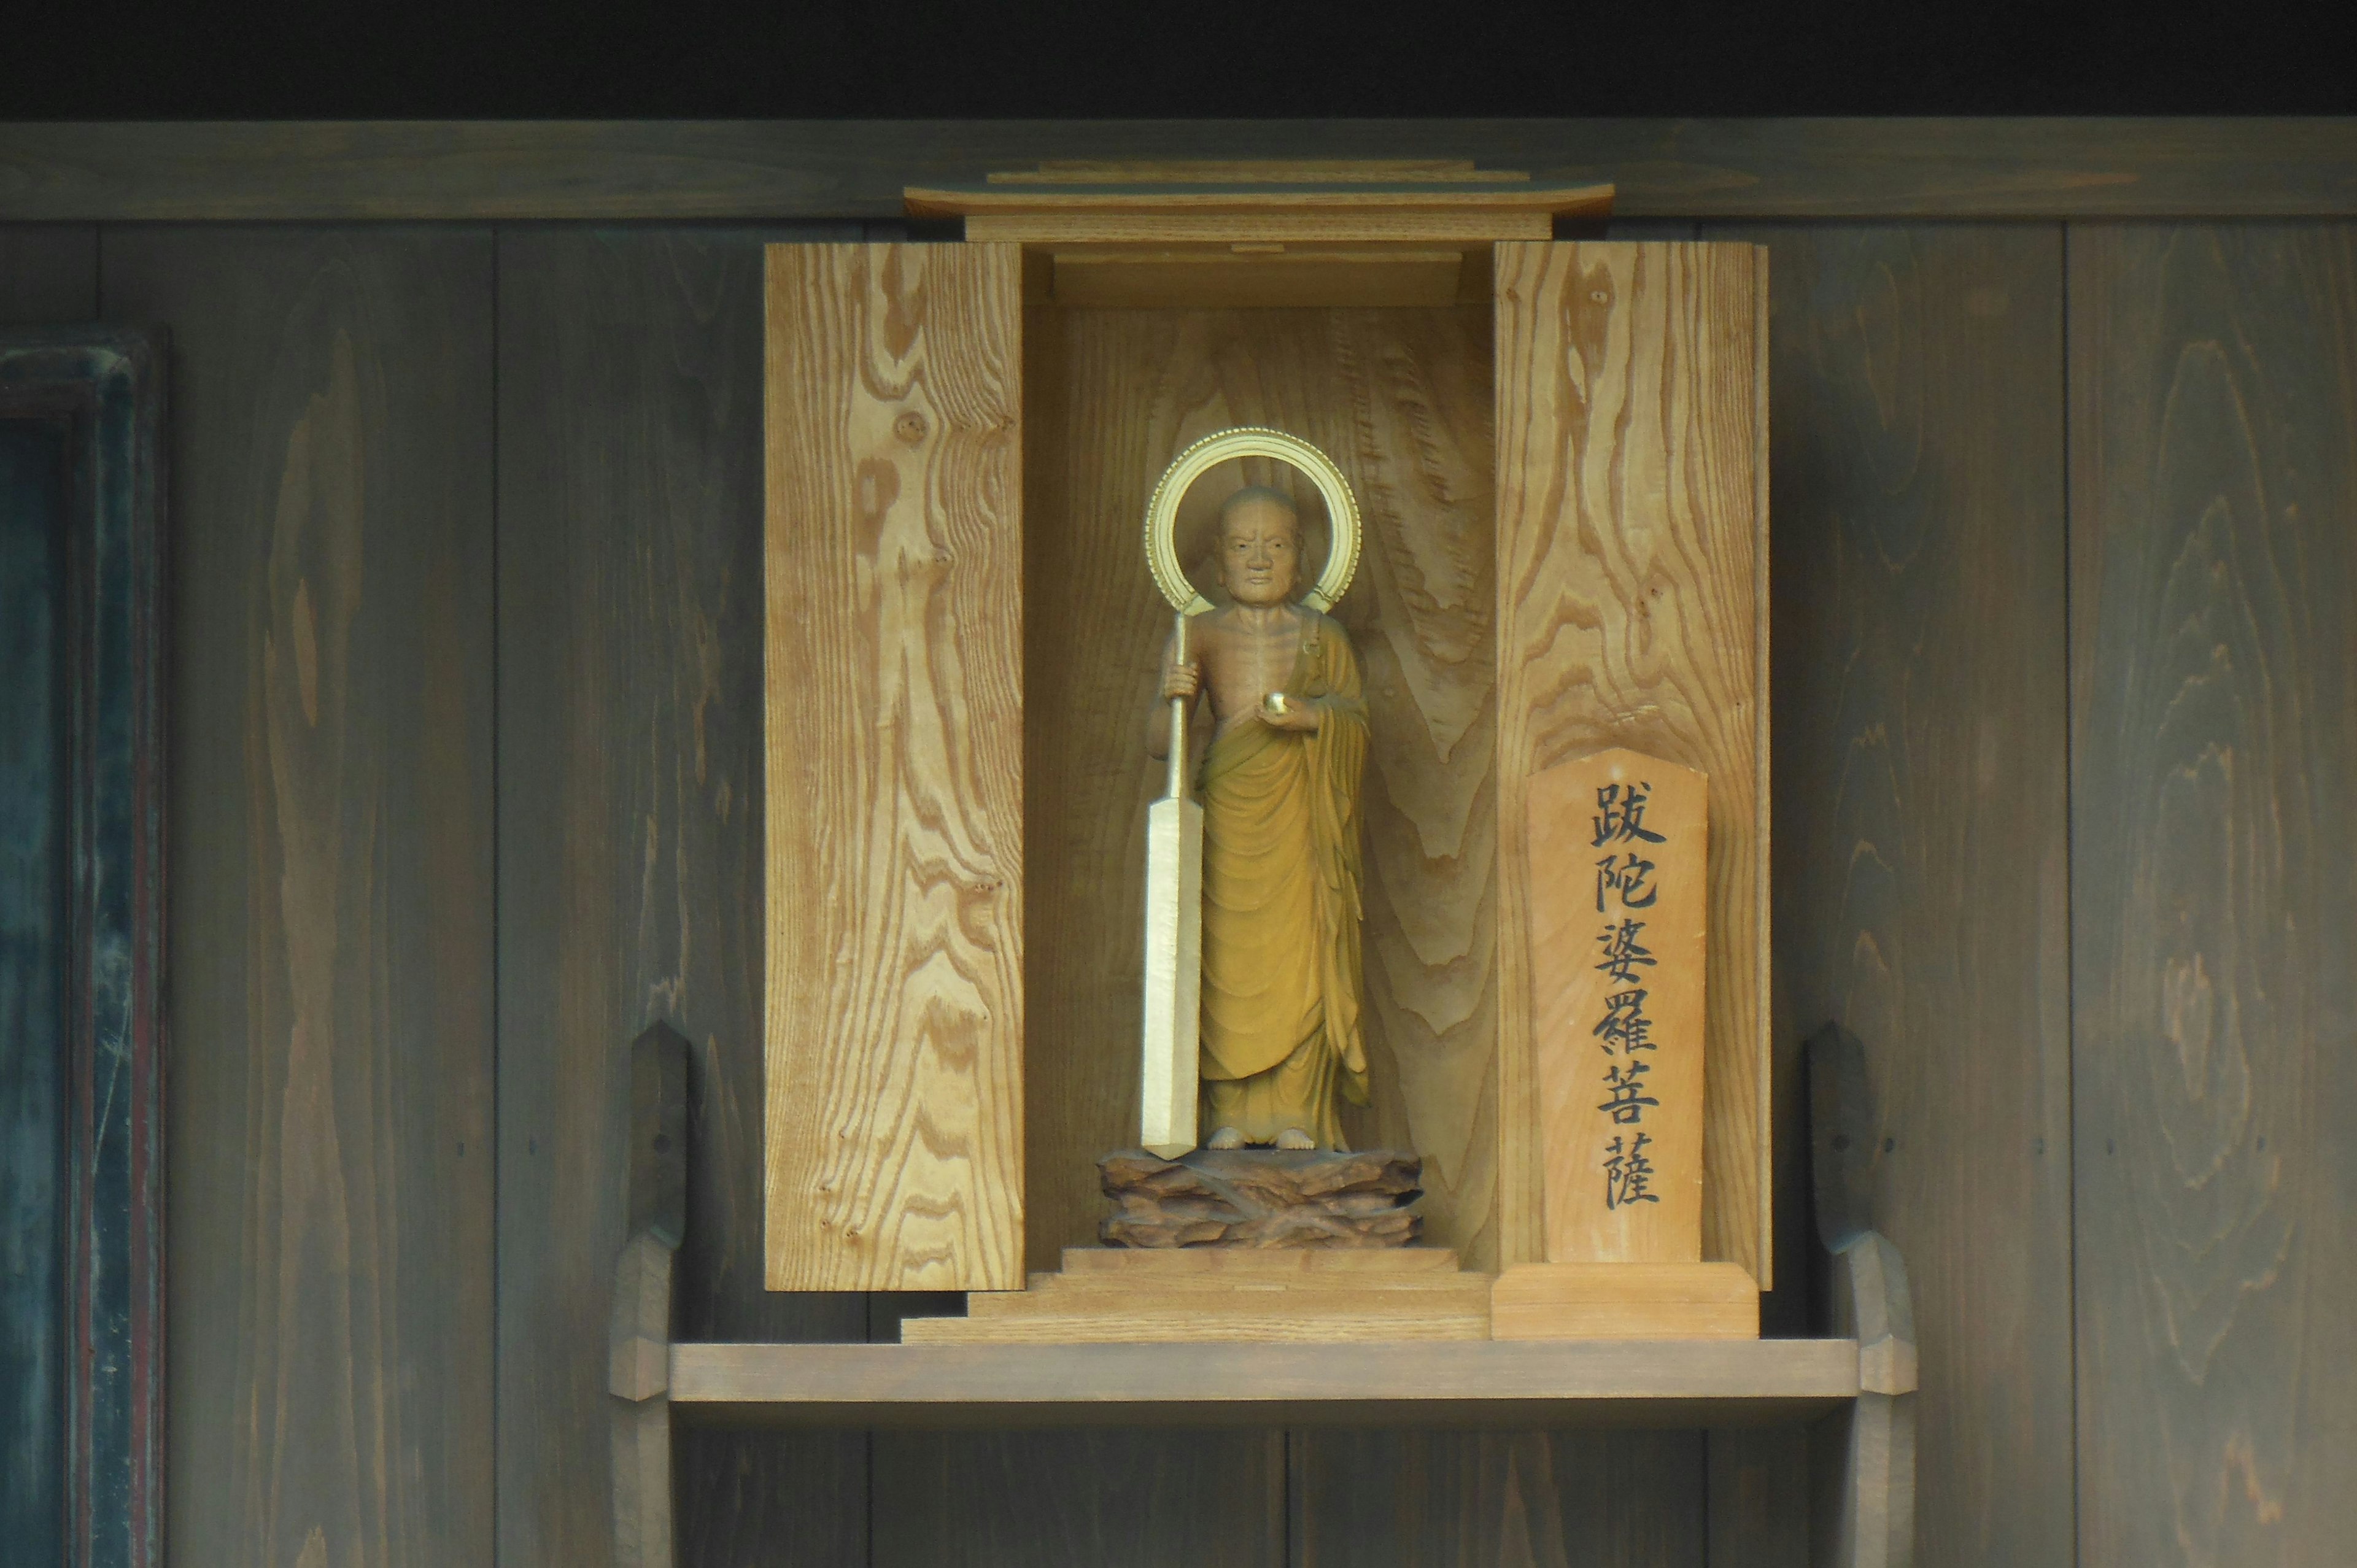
point(1208, 1295)
point(1215, 1294)
point(1624, 1301)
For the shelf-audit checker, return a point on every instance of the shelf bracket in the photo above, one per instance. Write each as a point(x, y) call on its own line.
point(639, 1328)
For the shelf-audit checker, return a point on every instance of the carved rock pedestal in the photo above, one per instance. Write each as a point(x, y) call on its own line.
point(1261, 1197)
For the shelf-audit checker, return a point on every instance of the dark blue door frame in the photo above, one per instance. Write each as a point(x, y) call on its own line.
point(81, 905)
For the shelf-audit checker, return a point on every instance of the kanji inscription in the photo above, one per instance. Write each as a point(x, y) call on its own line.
point(1618, 933)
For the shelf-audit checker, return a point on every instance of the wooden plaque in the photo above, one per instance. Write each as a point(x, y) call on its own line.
point(1620, 910)
point(894, 785)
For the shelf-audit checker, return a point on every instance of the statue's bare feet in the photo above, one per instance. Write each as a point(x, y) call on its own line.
point(1226, 1138)
point(1295, 1138)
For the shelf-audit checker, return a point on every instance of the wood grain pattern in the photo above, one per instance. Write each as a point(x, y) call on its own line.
point(630, 833)
point(1921, 820)
point(2214, 484)
point(1398, 398)
point(1576, 1383)
point(1552, 1500)
point(895, 783)
point(1644, 903)
point(1631, 561)
point(1219, 278)
point(48, 274)
point(330, 1184)
point(775, 170)
point(1624, 1300)
point(1141, 1497)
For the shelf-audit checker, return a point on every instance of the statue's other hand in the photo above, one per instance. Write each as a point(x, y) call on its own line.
point(1181, 680)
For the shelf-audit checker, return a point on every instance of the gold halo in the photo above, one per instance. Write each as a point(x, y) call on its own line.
point(1250, 441)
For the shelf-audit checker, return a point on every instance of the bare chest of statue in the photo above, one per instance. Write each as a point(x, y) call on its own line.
point(1247, 653)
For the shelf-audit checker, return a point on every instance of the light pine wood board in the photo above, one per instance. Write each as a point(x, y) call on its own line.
point(2214, 906)
point(1624, 1301)
point(894, 567)
point(1372, 227)
point(1184, 1266)
point(330, 998)
point(1219, 277)
point(1510, 201)
point(1398, 398)
point(1923, 832)
point(1631, 538)
point(1618, 950)
point(1146, 1315)
point(630, 846)
point(1250, 171)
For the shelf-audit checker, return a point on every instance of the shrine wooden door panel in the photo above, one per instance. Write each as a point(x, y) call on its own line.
point(895, 769)
point(1632, 612)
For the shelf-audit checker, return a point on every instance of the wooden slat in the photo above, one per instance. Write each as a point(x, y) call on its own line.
point(1759, 1501)
point(48, 274)
point(1033, 214)
point(1550, 1499)
point(782, 169)
point(1337, 201)
point(330, 1008)
point(1632, 570)
point(1244, 171)
point(1660, 1383)
point(630, 654)
point(1154, 1498)
point(1223, 1267)
point(1922, 833)
point(894, 784)
point(1324, 1317)
point(1396, 398)
point(2213, 494)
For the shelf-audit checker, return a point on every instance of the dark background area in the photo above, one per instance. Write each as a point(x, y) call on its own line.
point(1065, 59)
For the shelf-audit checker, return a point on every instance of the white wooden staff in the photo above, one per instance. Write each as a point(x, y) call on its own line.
point(1174, 949)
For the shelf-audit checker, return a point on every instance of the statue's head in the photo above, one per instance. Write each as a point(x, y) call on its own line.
point(1260, 545)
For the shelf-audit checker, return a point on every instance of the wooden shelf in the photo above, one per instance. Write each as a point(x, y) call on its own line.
point(1490, 1384)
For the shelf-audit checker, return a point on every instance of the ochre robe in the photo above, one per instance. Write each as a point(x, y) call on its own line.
point(1281, 865)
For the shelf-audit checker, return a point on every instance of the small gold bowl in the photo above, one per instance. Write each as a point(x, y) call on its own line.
point(1273, 705)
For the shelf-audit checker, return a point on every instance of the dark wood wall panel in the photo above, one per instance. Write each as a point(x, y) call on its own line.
point(2214, 506)
point(1544, 1500)
point(682, 170)
point(48, 274)
point(631, 853)
point(1066, 1499)
point(1921, 832)
point(329, 1066)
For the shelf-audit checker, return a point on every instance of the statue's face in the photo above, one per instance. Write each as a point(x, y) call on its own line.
point(1260, 553)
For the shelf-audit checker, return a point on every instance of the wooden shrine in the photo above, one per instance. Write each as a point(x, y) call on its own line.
point(1557, 451)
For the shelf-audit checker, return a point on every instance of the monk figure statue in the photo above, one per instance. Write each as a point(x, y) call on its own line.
point(1280, 791)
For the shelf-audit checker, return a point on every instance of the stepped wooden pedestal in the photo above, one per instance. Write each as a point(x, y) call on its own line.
point(1208, 1294)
